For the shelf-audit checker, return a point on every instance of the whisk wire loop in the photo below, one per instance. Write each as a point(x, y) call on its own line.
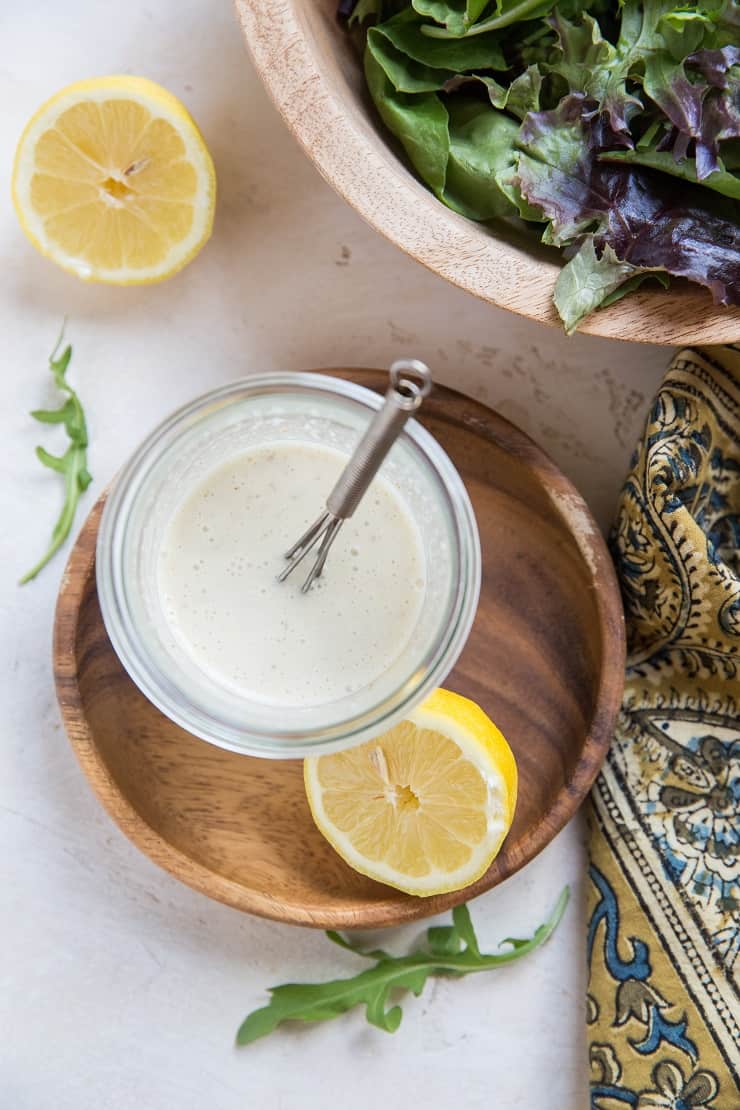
point(410, 383)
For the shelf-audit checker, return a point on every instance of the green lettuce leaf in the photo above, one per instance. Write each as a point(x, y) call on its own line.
point(404, 33)
point(520, 97)
point(589, 281)
point(508, 12)
point(420, 123)
point(586, 62)
point(728, 184)
point(406, 75)
point(635, 211)
point(450, 950)
point(614, 125)
point(449, 15)
point(482, 161)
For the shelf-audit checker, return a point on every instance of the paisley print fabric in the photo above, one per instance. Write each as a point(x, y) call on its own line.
point(663, 1007)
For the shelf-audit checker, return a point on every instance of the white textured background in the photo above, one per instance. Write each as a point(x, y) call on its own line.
point(120, 988)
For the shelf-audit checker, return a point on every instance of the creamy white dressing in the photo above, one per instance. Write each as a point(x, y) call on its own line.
point(222, 552)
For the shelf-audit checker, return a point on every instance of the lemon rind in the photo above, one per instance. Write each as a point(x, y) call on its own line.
point(162, 104)
point(480, 744)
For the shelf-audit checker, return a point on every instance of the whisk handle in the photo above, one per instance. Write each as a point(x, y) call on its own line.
point(411, 382)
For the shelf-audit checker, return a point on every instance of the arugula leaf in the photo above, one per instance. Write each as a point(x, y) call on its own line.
point(589, 63)
point(450, 950)
point(343, 942)
point(73, 463)
point(443, 940)
point(464, 927)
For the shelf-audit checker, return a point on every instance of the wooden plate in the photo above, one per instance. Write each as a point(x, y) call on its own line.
point(310, 69)
point(545, 659)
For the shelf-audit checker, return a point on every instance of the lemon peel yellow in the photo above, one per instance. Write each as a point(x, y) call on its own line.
point(426, 806)
point(113, 181)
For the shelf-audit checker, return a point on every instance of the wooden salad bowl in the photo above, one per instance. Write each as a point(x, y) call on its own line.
point(312, 72)
point(545, 659)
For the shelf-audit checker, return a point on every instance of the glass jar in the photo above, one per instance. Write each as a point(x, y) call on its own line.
point(176, 458)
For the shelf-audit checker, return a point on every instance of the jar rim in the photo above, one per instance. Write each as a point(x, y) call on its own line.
point(148, 675)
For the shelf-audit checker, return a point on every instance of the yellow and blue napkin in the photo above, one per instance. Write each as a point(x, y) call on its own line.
point(663, 1008)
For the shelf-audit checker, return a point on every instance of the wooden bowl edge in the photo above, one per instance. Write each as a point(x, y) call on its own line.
point(684, 317)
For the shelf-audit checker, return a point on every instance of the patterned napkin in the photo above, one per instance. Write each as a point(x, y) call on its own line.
point(664, 904)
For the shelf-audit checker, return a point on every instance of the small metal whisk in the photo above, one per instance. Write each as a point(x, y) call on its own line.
point(411, 382)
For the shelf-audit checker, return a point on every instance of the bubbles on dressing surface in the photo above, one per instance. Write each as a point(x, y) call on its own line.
point(219, 563)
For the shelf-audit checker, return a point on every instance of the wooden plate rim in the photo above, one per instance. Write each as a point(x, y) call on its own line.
point(397, 909)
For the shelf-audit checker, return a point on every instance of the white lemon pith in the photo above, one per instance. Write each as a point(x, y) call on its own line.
point(426, 806)
point(112, 180)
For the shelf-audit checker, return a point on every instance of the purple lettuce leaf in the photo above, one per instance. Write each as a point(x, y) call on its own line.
point(590, 64)
point(557, 169)
point(715, 64)
point(701, 110)
point(688, 235)
point(636, 211)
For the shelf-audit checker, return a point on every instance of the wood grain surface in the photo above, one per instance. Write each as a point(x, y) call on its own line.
point(313, 75)
point(545, 660)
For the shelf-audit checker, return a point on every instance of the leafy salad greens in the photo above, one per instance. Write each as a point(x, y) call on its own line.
point(614, 125)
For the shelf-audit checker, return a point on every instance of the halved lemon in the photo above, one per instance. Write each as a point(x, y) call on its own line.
point(113, 180)
point(426, 806)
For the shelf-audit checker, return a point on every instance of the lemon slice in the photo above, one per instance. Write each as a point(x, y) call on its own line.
point(113, 181)
point(426, 806)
